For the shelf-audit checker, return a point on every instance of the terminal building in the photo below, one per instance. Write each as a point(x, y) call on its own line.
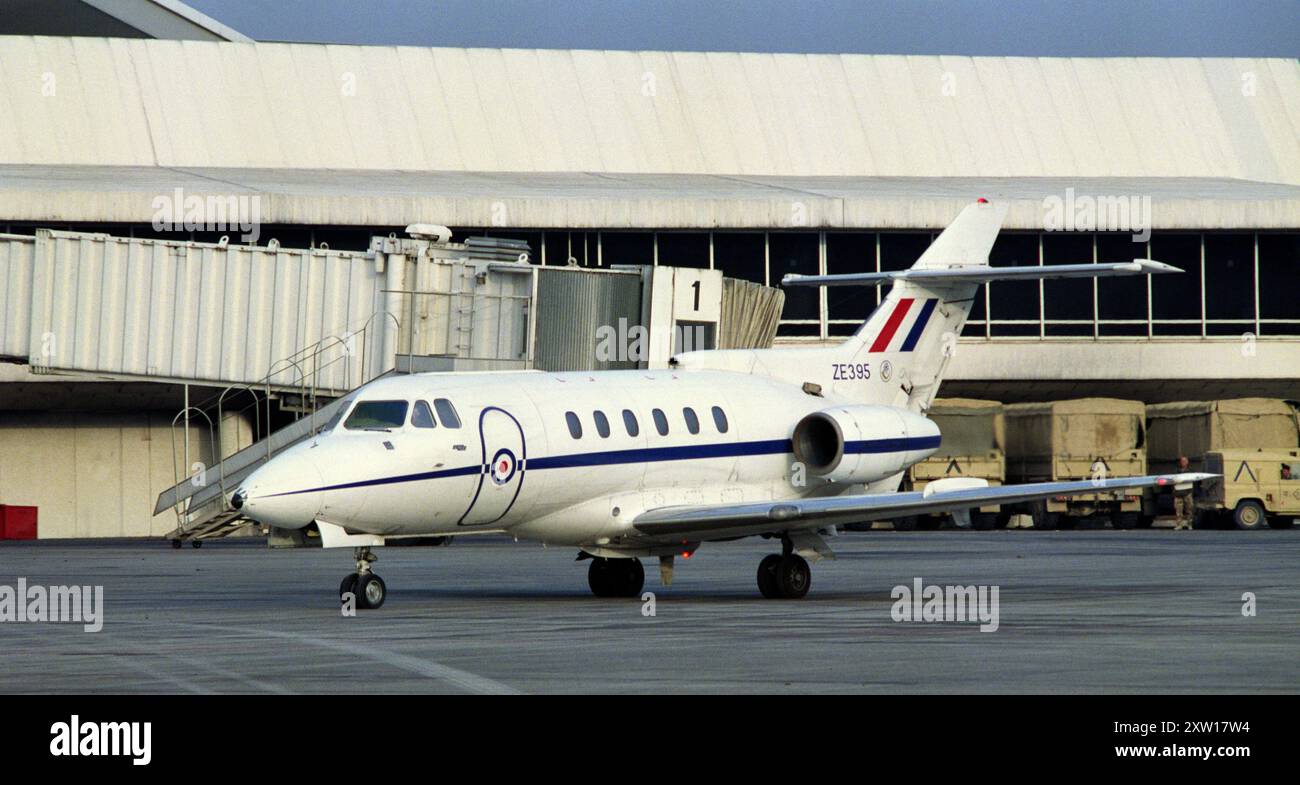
point(750, 165)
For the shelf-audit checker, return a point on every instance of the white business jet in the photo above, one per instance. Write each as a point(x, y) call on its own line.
point(783, 443)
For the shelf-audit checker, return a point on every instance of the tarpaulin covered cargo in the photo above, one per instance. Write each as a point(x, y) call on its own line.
point(1075, 439)
point(1081, 427)
point(1193, 428)
point(969, 426)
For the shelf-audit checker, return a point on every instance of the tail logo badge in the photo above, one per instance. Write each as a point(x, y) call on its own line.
point(886, 370)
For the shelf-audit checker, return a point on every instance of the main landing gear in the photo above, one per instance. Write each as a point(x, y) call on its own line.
point(367, 587)
point(785, 575)
point(615, 577)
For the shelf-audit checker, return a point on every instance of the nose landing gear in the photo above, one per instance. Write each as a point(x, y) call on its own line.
point(367, 587)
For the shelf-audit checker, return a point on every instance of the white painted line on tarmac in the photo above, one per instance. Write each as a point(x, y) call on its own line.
point(469, 682)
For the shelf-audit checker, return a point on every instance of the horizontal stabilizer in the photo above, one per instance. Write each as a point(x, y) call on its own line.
point(983, 274)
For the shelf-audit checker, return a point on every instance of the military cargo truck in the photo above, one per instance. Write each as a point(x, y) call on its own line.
point(1253, 442)
point(973, 431)
point(1086, 438)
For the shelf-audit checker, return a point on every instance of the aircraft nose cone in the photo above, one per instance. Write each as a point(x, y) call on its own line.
point(285, 493)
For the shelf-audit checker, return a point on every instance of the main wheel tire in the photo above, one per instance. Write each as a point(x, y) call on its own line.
point(177, 544)
point(196, 543)
point(348, 586)
point(794, 578)
point(984, 521)
point(371, 591)
point(767, 581)
point(599, 577)
point(616, 577)
point(1249, 515)
point(631, 577)
point(1125, 520)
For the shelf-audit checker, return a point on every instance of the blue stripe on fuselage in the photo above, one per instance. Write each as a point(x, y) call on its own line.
point(656, 454)
point(646, 455)
point(435, 475)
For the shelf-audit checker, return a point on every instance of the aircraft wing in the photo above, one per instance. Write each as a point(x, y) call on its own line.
point(723, 521)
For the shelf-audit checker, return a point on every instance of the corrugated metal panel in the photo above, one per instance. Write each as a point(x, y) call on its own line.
point(460, 315)
point(200, 311)
point(750, 314)
point(16, 252)
point(235, 314)
point(98, 101)
point(572, 305)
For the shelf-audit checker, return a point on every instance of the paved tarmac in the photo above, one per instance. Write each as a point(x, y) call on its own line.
point(1083, 611)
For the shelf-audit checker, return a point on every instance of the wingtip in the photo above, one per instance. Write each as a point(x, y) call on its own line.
point(1152, 266)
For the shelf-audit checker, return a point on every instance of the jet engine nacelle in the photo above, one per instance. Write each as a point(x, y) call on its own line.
point(862, 443)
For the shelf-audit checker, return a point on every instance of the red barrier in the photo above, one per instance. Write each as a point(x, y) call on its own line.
point(17, 523)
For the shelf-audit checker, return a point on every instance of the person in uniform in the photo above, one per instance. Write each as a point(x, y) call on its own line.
point(1184, 507)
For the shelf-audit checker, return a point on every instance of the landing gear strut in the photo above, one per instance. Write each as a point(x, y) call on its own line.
point(785, 575)
point(615, 577)
point(367, 587)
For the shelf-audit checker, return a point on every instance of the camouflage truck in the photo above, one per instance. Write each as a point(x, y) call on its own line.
point(1078, 439)
point(973, 432)
point(1253, 442)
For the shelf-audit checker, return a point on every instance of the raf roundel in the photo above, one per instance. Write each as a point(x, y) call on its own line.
point(503, 467)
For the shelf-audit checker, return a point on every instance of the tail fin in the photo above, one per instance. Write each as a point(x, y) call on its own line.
point(967, 240)
point(910, 338)
point(915, 329)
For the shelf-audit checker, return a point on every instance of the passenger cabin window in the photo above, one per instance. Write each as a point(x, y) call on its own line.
point(630, 423)
point(446, 413)
point(692, 422)
point(377, 416)
point(575, 425)
point(422, 416)
point(720, 419)
point(661, 422)
point(602, 423)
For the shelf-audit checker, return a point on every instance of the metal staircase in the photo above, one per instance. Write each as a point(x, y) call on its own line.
point(202, 500)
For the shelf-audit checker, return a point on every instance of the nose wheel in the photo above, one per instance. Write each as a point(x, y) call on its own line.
point(366, 587)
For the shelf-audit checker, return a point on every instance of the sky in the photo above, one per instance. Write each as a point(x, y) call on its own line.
point(1082, 28)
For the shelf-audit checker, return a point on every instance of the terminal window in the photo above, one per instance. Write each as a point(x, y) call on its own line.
point(1014, 305)
point(847, 307)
